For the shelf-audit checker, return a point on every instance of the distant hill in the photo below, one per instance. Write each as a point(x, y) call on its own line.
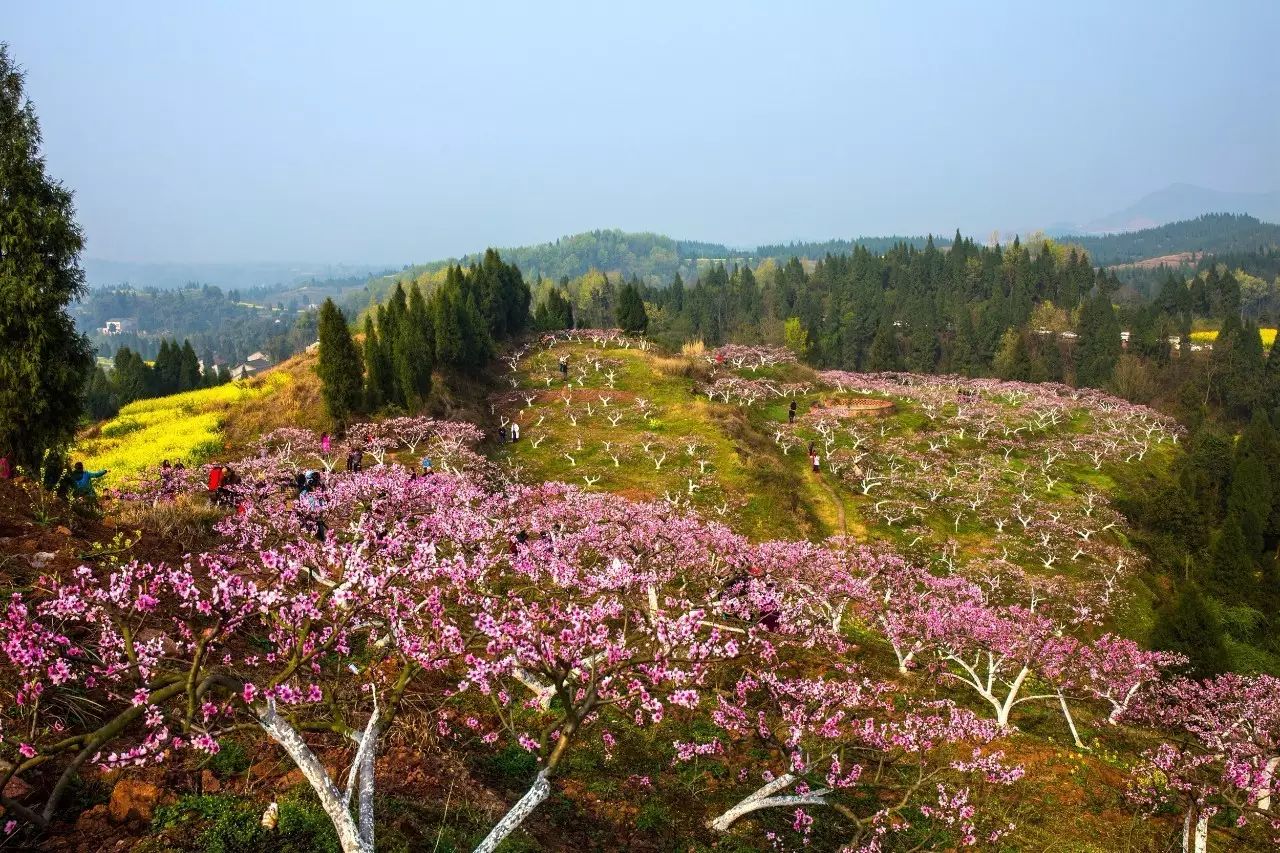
point(1185, 201)
point(1214, 234)
point(229, 276)
point(655, 258)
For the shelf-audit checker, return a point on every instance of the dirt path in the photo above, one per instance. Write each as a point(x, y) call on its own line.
point(835, 499)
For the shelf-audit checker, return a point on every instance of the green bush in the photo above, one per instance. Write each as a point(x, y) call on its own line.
point(230, 759)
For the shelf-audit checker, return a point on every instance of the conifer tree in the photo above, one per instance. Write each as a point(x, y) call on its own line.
point(1250, 500)
point(340, 369)
point(376, 367)
point(1098, 348)
point(415, 352)
point(130, 376)
point(1187, 625)
point(630, 313)
point(884, 347)
point(44, 362)
point(1231, 571)
point(188, 367)
point(100, 396)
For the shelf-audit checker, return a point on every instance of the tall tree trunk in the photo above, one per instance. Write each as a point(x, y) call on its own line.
point(1195, 832)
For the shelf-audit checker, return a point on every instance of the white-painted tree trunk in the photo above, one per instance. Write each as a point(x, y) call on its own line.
point(353, 836)
point(1195, 832)
point(763, 798)
point(538, 791)
point(1071, 723)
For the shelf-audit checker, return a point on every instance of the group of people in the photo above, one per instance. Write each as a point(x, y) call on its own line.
point(509, 432)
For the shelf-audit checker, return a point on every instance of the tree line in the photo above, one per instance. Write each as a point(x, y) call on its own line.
point(457, 327)
point(176, 369)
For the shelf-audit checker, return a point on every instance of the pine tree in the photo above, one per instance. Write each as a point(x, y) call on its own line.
point(44, 363)
point(1012, 361)
point(340, 370)
point(1250, 500)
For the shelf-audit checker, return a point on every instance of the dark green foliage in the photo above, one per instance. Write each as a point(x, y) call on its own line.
point(414, 353)
point(100, 396)
point(44, 363)
point(1231, 573)
point(1186, 625)
point(131, 377)
point(340, 368)
point(377, 368)
point(1099, 345)
point(1249, 501)
point(223, 823)
point(554, 312)
point(462, 339)
point(884, 348)
point(630, 313)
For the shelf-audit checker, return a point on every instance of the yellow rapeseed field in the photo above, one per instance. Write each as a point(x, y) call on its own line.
point(1210, 335)
point(181, 427)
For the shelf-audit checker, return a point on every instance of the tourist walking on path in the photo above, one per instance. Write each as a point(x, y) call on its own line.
point(817, 462)
point(791, 413)
point(515, 432)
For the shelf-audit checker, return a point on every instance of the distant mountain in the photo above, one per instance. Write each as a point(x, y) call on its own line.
point(1181, 202)
point(228, 276)
point(1214, 234)
point(654, 258)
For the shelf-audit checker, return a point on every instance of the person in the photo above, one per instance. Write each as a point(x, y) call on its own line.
point(791, 413)
point(311, 506)
point(427, 470)
point(6, 467)
point(502, 434)
point(817, 461)
point(325, 443)
point(564, 366)
point(215, 478)
point(181, 466)
point(223, 495)
point(515, 432)
point(82, 480)
point(813, 448)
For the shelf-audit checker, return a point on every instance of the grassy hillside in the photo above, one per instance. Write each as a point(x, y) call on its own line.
point(1215, 234)
point(197, 426)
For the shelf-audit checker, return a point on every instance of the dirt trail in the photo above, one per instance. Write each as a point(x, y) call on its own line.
point(835, 499)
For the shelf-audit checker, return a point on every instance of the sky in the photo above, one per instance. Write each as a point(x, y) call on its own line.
point(405, 132)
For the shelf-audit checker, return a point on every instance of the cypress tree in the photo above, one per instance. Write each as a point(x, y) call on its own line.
point(100, 396)
point(1250, 500)
point(340, 370)
point(44, 363)
point(130, 376)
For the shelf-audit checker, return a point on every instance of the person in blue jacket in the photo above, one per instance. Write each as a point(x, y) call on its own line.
point(82, 480)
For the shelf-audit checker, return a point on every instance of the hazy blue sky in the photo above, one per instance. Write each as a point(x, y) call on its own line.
point(401, 132)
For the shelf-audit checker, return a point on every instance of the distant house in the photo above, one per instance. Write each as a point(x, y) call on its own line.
point(242, 371)
point(117, 327)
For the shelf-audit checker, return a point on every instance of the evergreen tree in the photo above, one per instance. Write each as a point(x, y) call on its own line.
point(415, 352)
point(1098, 347)
point(44, 363)
point(130, 376)
point(1249, 501)
point(964, 355)
point(1012, 361)
point(1187, 625)
point(100, 396)
point(630, 313)
point(376, 368)
point(340, 370)
point(188, 368)
point(164, 373)
point(1231, 571)
point(884, 347)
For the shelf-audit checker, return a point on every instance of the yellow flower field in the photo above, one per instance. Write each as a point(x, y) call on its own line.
point(181, 427)
point(1211, 335)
